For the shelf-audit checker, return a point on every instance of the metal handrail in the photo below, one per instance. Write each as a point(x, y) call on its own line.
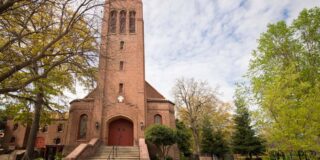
point(115, 150)
point(112, 151)
point(139, 151)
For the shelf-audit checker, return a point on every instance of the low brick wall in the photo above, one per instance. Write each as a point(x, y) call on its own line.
point(144, 154)
point(84, 150)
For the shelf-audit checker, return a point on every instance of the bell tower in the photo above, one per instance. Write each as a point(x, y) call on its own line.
point(121, 74)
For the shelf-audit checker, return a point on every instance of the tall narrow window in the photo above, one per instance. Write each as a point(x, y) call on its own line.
point(83, 126)
point(13, 139)
point(121, 44)
point(15, 126)
point(60, 127)
point(121, 66)
point(45, 128)
point(121, 88)
point(57, 140)
point(157, 119)
point(122, 20)
point(132, 21)
point(112, 21)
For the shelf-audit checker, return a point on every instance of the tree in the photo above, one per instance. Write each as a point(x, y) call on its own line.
point(207, 138)
point(183, 138)
point(244, 140)
point(5, 5)
point(45, 47)
point(213, 142)
point(162, 137)
point(285, 80)
point(33, 32)
point(3, 119)
point(193, 100)
point(220, 145)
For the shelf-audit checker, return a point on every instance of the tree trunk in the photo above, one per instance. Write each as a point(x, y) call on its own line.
point(196, 140)
point(34, 127)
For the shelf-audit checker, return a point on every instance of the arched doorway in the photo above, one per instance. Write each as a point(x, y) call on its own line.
point(120, 132)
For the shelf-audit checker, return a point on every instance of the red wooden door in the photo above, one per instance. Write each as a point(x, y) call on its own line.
point(120, 133)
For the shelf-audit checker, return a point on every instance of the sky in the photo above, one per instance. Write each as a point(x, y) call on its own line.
point(208, 40)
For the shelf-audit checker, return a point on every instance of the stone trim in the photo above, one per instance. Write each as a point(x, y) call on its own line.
point(82, 100)
point(159, 100)
point(143, 149)
point(84, 150)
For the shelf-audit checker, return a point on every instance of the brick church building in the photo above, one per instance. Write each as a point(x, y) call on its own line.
point(123, 105)
point(122, 99)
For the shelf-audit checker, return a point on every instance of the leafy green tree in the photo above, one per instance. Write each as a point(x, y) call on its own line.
point(285, 80)
point(220, 145)
point(213, 142)
point(45, 47)
point(244, 140)
point(183, 138)
point(162, 137)
point(193, 100)
point(207, 138)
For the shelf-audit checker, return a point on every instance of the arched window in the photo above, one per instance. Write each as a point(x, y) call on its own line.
point(157, 119)
point(122, 20)
point(132, 21)
point(83, 126)
point(112, 21)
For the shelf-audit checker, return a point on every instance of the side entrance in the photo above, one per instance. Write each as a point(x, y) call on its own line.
point(120, 133)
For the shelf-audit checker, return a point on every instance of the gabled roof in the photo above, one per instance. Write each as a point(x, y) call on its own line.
point(152, 92)
point(91, 94)
point(154, 96)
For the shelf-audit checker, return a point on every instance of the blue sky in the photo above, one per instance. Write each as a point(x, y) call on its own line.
point(208, 40)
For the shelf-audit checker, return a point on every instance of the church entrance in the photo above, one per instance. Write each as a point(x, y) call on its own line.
point(120, 133)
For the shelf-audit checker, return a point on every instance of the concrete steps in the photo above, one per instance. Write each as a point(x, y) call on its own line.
point(122, 153)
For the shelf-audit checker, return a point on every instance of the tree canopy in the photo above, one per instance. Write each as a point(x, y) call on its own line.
point(162, 137)
point(285, 80)
point(213, 141)
point(45, 48)
point(183, 138)
point(245, 141)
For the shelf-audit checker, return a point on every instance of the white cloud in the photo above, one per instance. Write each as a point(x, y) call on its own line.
point(209, 39)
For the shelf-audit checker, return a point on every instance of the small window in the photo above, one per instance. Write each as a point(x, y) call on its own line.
point(121, 65)
point(45, 128)
point(13, 139)
point(15, 126)
point(132, 22)
point(157, 119)
point(60, 127)
point(121, 44)
point(57, 141)
point(121, 88)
